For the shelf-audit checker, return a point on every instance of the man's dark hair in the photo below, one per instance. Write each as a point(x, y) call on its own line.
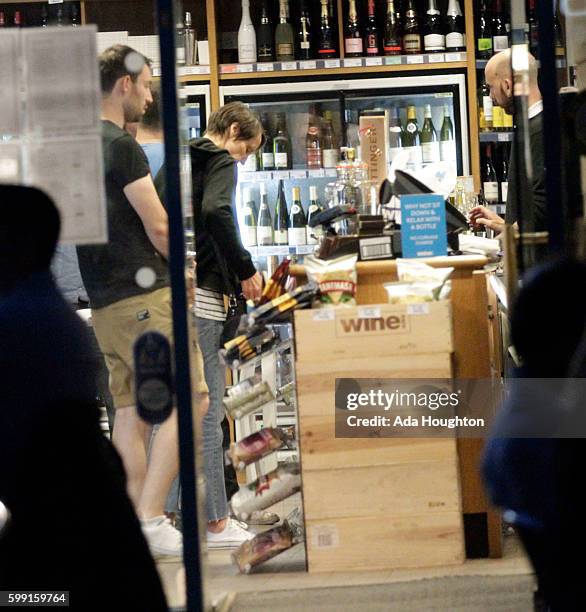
point(113, 66)
point(152, 116)
point(29, 231)
point(235, 112)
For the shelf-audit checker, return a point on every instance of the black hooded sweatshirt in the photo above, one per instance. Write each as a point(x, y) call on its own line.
point(213, 185)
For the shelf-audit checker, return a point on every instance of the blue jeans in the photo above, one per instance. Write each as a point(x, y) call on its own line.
point(209, 334)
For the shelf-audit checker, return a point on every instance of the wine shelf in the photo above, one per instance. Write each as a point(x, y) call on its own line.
point(559, 63)
point(269, 69)
point(499, 209)
point(280, 251)
point(496, 136)
point(285, 175)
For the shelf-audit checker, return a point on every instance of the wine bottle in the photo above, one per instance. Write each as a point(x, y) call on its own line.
point(264, 36)
point(281, 218)
point(353, 37)
point(429, 141)
point(267, 155)
point(498, 118)
point(558, 35)
point(504, 174)
point(371, 32)
point(508, 121)
point(248, 218)
point(180, 41)
point(411, 34)
point(44, 17)
point(59, 17)
point(500, 38)
point(313, 142)
point(304, 45)
point(2, 19)
point(329, 148)
point(246, 36)
point(264, 226)
point(394, 134)
point(393, 40)
point(411, 138)
point(327, 46)
point(297, 232)
point(313, 233)
point(282, 145)
point(490, 185)
point(485, 108)
point(352, 130)
point(447, 142)
point(533, 30)
point(17, 19)
point(484, 37)
point(434, 39)
point(455, 37)
point(284, 37)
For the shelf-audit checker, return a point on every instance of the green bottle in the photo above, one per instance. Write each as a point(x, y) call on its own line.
point(281, 218)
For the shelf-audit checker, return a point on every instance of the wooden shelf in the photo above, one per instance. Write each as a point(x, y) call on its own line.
point(281, 74)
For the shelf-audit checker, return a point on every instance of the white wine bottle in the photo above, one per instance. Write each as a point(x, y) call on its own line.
point(411, 138)
point(246, 37)
point(248, 218)
point(284, 36)
point(447, 142)
point(281, 218)
point(429, 141)
point(264, 226)
point(313, 233)
point(297, 221)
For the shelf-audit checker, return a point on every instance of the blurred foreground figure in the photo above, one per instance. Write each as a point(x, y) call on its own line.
point(72, 524)
point(534, 462)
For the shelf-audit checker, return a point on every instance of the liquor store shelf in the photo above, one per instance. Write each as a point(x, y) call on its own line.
point(506, 136)
point(559, 63)
point(285, 175)
point(432, 61)
point(279, 251)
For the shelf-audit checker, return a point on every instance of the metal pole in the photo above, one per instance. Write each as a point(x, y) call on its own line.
point(556, 206)
point(191, 537)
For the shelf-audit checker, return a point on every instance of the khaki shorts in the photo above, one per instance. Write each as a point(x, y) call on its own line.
point(118, 325)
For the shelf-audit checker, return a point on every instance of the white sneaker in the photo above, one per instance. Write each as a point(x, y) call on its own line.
point(233, 536)
point(163, 539)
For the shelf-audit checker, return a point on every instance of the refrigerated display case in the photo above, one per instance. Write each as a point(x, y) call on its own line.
point(306, 104)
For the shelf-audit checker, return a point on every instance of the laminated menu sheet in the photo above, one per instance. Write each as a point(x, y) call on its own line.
point(50, 129)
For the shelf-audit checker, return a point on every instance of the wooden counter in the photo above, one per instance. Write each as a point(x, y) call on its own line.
point(471, 360)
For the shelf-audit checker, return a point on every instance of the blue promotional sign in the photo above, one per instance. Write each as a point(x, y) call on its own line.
point(423, 225)
point(153, 377)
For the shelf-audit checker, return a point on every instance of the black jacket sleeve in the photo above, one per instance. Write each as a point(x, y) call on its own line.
point(218, 218)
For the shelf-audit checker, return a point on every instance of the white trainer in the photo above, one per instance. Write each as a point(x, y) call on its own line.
point(233, 536)
point(163, 539)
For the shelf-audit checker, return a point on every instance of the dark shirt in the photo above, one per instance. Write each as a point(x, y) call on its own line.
point(213, 173)
point(109, 270)
point(538, 183)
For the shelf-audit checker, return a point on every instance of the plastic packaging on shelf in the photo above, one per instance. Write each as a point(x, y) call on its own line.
point(256, 446)
point(263, 547)
point(247, 396)
point(266, 491)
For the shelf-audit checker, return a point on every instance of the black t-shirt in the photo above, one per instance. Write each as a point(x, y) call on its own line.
point(109, 270)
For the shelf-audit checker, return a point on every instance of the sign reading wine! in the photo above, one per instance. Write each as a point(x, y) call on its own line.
point(423, 225)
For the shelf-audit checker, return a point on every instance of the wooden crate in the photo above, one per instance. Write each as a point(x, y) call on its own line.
point(351, 333)
point(375, 503)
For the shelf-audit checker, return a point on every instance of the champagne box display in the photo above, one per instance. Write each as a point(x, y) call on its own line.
point(374, 130)
point(375, 503)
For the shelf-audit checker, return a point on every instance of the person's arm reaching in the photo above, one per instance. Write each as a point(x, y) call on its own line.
point(480, 215)
point(143, 197)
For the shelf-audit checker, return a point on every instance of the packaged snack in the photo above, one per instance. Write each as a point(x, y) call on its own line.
point(247, 396)
point(256, 446)
point(266, 491)
point(263, 547)
point(336, 280)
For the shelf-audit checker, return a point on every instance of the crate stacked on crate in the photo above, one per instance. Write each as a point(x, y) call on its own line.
point(262, 405)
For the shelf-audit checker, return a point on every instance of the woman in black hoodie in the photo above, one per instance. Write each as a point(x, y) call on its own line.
point(224, 267)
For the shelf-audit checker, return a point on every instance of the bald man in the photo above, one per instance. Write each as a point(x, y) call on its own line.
point(499, 78)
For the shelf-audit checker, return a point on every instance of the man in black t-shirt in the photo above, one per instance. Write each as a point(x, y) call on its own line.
point(128, 286)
